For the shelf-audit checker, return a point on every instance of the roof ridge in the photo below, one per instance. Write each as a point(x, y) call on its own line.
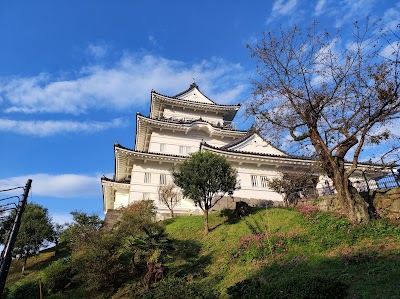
point(197, 102)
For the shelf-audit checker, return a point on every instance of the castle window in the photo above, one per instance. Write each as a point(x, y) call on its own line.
point(147, 178)
point(264, 181)
point(254, 181)
point(184, 150)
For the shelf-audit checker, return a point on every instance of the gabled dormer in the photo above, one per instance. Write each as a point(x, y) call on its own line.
point(253, 143)
point(194, 94)
point(189, 105)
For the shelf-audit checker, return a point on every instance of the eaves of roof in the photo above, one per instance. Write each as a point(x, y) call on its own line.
point(292, 157)
point(181, 122)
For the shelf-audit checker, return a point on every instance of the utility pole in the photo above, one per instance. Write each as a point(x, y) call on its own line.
point(7, 252)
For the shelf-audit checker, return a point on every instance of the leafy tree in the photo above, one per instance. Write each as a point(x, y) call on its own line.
point(291, 182)
point(82, 227)
point(332, 96)
point(205, 178)
point(170, 196)
point(36, 231)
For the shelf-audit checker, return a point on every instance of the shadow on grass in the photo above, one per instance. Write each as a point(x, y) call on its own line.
point(233, 217)
point(188, 262)
point(354, 275)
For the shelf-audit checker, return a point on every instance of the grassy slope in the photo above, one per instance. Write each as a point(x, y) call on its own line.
point(366, 258)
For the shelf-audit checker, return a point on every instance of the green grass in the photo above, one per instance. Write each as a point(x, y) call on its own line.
point(287, 253)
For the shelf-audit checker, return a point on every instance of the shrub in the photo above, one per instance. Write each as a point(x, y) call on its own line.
point(306, 287)
point(57, 275)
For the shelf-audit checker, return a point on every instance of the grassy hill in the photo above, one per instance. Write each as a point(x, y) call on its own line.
point(279, 253)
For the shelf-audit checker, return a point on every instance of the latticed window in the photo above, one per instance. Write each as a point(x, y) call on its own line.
point(264, 181)
point(163, 179)
point(147, 178)
point(146, 196)
point(254, 181)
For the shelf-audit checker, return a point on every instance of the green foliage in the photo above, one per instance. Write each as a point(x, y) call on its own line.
point(177, 288)
point(57, 275)
point(152, 246)
point(26, 290)
point(82, 228)
point(36, 230)
point(203, 176)
point(104, 260)
point(303, 287)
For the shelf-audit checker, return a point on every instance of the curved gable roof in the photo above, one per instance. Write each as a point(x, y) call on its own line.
point(253, 142)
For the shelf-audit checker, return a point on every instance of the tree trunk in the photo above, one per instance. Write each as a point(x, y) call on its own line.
point(171, 212)
point(206, 229)
point(350, 201)
point(25, 260)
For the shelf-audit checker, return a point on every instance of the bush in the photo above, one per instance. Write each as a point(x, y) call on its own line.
point(26, 290)
point(57, 275)
point(311, 287)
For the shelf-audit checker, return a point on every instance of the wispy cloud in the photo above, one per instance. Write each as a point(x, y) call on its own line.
point(125, 84)
point(281, 8)
point(319, 7)
point(58, 186)
point(98, 51)
point(52, 127)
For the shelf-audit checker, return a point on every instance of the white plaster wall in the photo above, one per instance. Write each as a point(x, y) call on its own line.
point(261, 192)
point(138, 187)
point(193, 139)
point(188, 114)
point(121, 198)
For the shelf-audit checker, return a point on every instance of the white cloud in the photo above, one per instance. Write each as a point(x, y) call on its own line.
point(319, 7)
point(284, 7)
point(281, 8)
point(57, 186)
point(52, 127)
point(98, 51)
point(125, 84)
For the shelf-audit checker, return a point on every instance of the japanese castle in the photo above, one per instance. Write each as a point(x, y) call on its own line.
point(185, 123)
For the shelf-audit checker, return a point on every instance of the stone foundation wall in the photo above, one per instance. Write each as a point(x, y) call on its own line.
point(386, 203)
point(228, 202)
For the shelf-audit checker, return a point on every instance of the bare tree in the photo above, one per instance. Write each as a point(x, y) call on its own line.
point(169, 195)
point(329, 95)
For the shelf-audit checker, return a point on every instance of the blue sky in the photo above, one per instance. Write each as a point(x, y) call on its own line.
point(73, 74)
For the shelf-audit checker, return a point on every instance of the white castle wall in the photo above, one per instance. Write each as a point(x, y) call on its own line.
point(173, 141)
point(179, 113)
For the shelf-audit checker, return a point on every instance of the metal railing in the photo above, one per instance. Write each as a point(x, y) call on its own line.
point(11, 205)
